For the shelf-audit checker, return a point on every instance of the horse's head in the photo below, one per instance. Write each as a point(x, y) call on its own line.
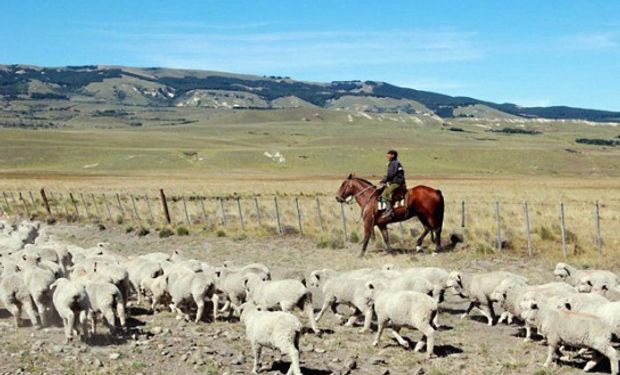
point(345, 190)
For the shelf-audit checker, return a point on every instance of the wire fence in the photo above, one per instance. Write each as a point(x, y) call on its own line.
point(570, 227)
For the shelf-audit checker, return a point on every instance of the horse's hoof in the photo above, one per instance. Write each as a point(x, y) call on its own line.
point(419, 249)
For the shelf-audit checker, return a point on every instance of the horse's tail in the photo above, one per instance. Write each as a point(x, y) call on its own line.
point(440, 210)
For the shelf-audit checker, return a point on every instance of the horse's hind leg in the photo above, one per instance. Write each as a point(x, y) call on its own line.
point(386, 236)
point(437, 233)
point(418, 243)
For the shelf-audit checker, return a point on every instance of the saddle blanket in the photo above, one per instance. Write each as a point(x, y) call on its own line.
point(382, 206)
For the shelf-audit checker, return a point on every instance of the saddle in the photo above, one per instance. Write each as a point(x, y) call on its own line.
point(399, 198)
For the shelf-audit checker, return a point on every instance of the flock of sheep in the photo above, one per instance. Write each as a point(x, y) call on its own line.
point(43, 276)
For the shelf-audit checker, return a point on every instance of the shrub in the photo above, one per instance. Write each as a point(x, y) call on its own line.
point(354, 237)
point(546, 234)
point(165, 232)
point(119, 220)
point(143, 231)
point(129, 229)
point(220, 233)
point(182, 231)
point(101, 227)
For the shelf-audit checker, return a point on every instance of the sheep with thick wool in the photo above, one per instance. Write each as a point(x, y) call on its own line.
point(273, 329)
point(284, 294)
point(230, 285)
point(574, 276)
point(15, 295)
point(477, 288)
point(185, 287)
point(106, 300)
point(38, 281)
point(72, 304)
point(561, 326)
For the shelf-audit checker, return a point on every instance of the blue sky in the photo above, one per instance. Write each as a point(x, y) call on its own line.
point(526, 52)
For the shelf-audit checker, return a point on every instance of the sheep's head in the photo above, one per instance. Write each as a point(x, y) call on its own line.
point(455, 282)
point(601, 289)
point(317, 278)
point(562, 271)
point(529, 310)
point(584, 285)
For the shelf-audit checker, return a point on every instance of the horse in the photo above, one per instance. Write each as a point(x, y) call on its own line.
point(423, 202)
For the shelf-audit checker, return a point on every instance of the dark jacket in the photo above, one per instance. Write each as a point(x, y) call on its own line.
point(395, 173)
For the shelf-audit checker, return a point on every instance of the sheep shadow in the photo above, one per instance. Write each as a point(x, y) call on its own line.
point(323, 331)
point(283, 367)
point(451, 311)
point(447, 350)
point(107, 339)
point(139, 311)
point(5, 314)
point(442, 328)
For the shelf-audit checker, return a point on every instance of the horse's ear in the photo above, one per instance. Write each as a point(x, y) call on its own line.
point(350, 176)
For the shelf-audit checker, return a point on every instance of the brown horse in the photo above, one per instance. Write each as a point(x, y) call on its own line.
point(425, 203)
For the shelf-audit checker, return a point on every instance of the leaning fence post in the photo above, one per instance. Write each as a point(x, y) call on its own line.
point(85, 205)
point(8, 206)
point(25, 204)
point(527, 229)
point(257, 210)
point(499, 228)
point(46, 203)
point(75, 206)
point(222, 211)
point(135, 208)
point(278, 223)
point(599, 239)
point(187, 220)
point(148, 205)
point(563, 229)
point(164, 204)
point(35, 207)
point(240, 214)
point(344, 223)
point(318, 214)
point(120, 205)
point(107, 207)
point(202, 206)
point(463, 219)
point(301, 229)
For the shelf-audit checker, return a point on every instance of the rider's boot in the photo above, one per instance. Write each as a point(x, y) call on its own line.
point(389, 210)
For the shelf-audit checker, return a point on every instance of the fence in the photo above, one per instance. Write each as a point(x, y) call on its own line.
point(531, 226)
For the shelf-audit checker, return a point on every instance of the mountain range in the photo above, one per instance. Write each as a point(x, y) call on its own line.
point(163, 87)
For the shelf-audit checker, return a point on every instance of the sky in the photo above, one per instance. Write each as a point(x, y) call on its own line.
point(532, 53)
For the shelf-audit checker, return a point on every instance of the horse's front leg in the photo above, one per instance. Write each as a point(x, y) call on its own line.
point(369, 225)
point(386, 236)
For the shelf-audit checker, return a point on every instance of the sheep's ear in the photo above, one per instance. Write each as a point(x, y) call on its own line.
point(245, 282)
point(534, 306)
point(24, 257)
point(370, 285)
point(589, 282)
point(604, 288)
point(38, 258)
point(303, 281)
point(316, 275)
point(568, 306)
point(218, 273)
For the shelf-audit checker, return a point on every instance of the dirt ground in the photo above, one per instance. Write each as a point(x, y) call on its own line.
point(160, 344)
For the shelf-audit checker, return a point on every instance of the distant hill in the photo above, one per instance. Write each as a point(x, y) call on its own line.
point(162, 87)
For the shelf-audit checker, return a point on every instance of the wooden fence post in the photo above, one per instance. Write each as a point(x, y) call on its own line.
point(135, 208)
point(318, 214)
point(107, 206)
point(25, 205)
point(120, 206)
point(164, 204)
point(85, 205)
point(301, 229)
point(54, 204)
point(148, 205)
point(257, 210)
point(204, 211)
point(8, 206)
point(563, 229)
point(344, 223)
point(222, 211)
point(240, 214)
point(46, 203)
point(278, 223)
point(499, 228)
point(187, 219)
point(527, 229)
point(35, 207)
point(463, 219)
point(75, 206)
point(599, 239)
point(92, 195)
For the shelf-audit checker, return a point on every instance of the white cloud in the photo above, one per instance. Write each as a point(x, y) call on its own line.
point(590, 41)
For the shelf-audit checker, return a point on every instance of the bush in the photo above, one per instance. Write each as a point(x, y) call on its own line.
point(354, 237)
point(546, 234)
point(101, 227)
point(165, 232)
point(182, 231)
point(119, 220)
point(129, 229)
point(220, 233)
point(143, 231)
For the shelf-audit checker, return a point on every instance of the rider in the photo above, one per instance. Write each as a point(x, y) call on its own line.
point(393, 180)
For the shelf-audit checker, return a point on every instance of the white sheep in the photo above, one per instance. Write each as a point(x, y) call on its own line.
point(38, 281)
point(406, 309)
point(15, 296)
point(437, 276)
point(477, 287)
point(573, 276)
point(106, 299)
point(344, 290)
point(138, 270)
point(185, 287)
point(157, 289)
point(283, 294)
point(612, 293)
point(273, 329)
point(71, 303)
point(581, 330)
point(230, 285)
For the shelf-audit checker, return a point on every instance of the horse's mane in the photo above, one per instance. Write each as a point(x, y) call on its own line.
point(364, 180)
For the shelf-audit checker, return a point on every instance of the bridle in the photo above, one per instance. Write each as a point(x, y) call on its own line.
point(349, 199)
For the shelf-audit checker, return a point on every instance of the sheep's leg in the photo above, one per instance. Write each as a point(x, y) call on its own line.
point(42, 313)
point(401, 341)
point(122, 314)
point(469, 308)
point(69, 321)
point(94, 323)
point(110, 320)
point(380, 326)
point(611, 353)
point(487, 311)
point(215, 300)
point(83, 320)
point(226, 306)
point(429, 336)
point(593, 362)
point(502, 317)
point(32, 315)
point(257, 350)
point(294, 355)
point(16, 311)
point(310, 313)
point(367, 320)
point(201, 308)
point(550, 354)
point(528, 332)
point(329, 302)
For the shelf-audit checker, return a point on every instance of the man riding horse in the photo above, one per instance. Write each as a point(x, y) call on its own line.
point(394, 179)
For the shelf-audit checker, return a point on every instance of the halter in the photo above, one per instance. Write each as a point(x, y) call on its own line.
point(349, 199)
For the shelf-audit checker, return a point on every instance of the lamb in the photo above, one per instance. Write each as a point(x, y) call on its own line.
point(406, 309)
point(106, 299)
point(140, 269)
point(24, 234)
point(15, 296)
point(284, 294)
point(157, 287)
point(478, 288)
point(573, 276)
point(38, 281)
point(189, 286)
point(71, 303)
point(561, 326)
point(274, 329)
point(230, 283)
